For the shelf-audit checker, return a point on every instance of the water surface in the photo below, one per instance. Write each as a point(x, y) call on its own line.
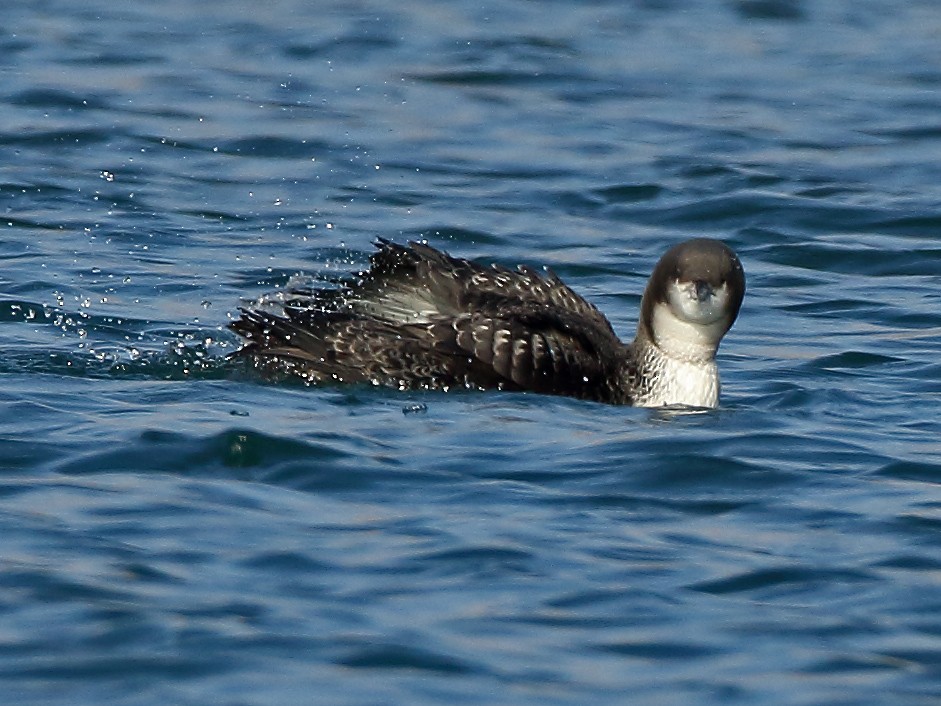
point(174, 529)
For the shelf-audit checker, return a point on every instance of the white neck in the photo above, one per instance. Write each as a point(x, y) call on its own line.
point(680, 362)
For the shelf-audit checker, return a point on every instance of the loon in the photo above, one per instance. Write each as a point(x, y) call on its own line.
point(421, 319)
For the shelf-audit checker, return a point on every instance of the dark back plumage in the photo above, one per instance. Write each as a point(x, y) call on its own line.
point(421, 319)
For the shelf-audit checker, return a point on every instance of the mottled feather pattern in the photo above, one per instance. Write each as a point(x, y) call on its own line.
point(418, 318)
point(451, 286)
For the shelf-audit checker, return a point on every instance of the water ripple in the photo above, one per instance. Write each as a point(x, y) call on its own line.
point(178, 530)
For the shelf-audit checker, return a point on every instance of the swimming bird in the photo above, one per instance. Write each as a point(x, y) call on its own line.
point(421, 319)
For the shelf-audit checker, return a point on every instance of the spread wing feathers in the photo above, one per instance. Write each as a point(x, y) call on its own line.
point(419, 318)
point(418, 284)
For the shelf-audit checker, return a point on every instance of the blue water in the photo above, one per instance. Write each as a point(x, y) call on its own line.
point(175, 530)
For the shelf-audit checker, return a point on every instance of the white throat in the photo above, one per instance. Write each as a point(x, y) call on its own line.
point(685, 340)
